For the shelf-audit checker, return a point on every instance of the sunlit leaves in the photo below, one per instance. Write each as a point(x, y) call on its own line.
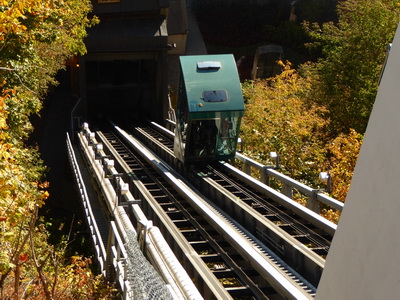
point(343, 157)
point(279, 118)
point(289, 113)
point(36, 37)
point(353, 53)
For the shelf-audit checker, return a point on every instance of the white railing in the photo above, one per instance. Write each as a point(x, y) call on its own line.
point(314, 196)
point(90, 218)
point(122, 260)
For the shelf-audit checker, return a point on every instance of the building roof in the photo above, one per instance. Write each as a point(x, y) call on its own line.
point(128, 34)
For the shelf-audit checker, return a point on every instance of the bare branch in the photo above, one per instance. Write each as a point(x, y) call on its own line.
point(7, 69)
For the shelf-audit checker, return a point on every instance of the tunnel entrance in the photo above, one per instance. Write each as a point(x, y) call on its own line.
point(121, 88)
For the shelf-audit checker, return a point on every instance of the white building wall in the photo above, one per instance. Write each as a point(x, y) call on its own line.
point(364, 260)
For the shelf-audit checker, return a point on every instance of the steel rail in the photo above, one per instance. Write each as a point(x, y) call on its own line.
point(239, 291)
point(286, 240)
point(121, 228)
point(268, 171)
point(259, 261)
point(215, 289)
point(285, 243)
point(304, 212)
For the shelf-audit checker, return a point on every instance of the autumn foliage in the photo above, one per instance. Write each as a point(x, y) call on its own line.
point(279, 118)
point(344, 151)
point(353, 50)
point(315, 117)
point(36, 37)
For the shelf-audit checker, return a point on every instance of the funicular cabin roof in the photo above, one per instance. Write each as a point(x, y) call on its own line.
point(200, 82)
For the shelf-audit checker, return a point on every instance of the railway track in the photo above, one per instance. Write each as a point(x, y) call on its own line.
point(225, 258)
point(302, 245)
point(297, 235)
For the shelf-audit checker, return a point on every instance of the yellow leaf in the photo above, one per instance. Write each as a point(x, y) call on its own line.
point(45, 195)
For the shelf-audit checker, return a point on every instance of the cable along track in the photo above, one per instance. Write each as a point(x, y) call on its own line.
point(245, 267)
point(299, 236)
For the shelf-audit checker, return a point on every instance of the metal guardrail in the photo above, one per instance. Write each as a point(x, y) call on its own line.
point(111, 256)
point(90, 218)
point(122, 260)
point(314, 196)
point(171, 111)
point(230, 231)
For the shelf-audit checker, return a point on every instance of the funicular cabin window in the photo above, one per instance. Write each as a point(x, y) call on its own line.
point(107, 1)
point(213, 137)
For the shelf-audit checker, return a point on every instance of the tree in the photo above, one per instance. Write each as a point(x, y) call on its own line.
point(353, 50)
point(36, 37)
point(278, 119)
point(343, 154)
point(315, 118)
